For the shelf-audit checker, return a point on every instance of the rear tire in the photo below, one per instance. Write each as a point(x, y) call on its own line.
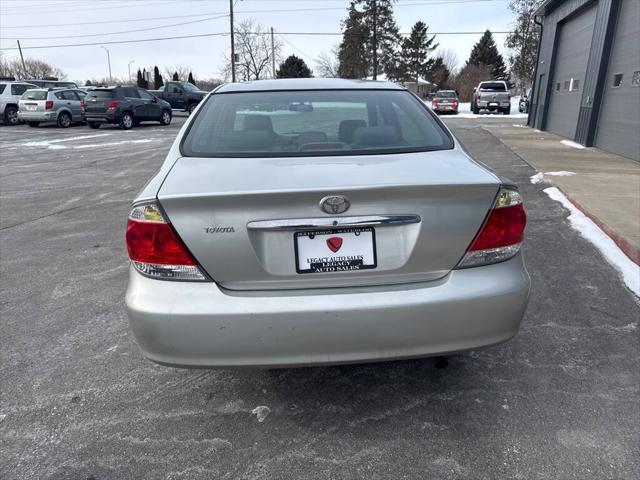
point(191, 108)
point(506, 111)
point(475, 110)
point(126, 121)
point(165, 117)
point(64, 120)
point(94, 125)
point(33, 124)
point(11, 115)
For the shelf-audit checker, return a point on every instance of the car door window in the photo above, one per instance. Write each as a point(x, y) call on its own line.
point(2, 87)
point(144, 95)
point(19, 89)
point(81, 94)
point(130, 92)
point(59, 95)
point(70, 95)
point(175, 89)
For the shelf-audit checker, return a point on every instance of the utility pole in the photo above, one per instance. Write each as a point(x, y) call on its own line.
point(108, 61)
point(24, 67)
point(129, 68)
point(233, 48)
point(273, 55)
point(375, 41)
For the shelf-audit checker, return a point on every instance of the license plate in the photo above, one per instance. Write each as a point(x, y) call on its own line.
point(31, 108)
point(493, 104)
point(342, 250)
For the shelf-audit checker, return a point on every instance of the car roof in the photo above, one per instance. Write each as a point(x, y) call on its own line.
point(307, 84)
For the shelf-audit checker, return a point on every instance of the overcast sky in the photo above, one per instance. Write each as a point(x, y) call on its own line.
point(26, 20)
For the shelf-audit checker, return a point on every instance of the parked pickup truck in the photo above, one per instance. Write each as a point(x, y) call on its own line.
point(492, 96)
point(181, 95)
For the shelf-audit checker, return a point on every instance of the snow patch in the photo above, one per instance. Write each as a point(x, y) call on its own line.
point(47, 143)
point(537, 178)
point(261, 412)
point(569, 143)
point(590, 231)
point(112, 144)
point(560, 173)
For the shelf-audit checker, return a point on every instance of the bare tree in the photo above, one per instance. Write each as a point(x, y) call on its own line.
point(181, 70)
point(34, 69)
point(449, 58)
point(327, 64)
point(468, 78)
point(253, 46)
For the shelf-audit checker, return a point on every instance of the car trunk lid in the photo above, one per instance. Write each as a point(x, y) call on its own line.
point(242, 218)
point(97, 101)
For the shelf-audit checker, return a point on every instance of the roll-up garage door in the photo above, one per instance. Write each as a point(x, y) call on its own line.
point(619, 123)
point(570, 66)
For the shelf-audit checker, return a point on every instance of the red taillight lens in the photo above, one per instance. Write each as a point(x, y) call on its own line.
point(154, 247)
point(502, 233)
point(113, 104)
point(504, 227)
point(48, 105)
point(82, 104)
point(154, 242)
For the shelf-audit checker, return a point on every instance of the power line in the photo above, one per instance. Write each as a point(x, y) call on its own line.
point(114, 42)
point(110, 7)
point(116, 33)
point(288, 10)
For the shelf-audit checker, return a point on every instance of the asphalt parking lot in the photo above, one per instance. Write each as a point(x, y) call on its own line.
point(78, 401)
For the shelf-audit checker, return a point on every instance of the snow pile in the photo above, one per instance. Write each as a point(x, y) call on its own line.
point(539, 177)
point(590, 231)
point(569, 143)
point(261, 412)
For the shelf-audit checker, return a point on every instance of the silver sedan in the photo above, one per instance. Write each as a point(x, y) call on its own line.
point(299, 222)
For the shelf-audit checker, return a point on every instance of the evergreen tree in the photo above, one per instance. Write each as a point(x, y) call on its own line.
point(145, 82)
point(175, 77)
point(352, 52)
point(485, 52)
point(157, 79)
point(414, 57)
point(384, 35)
point(523, 41)
point(439, 73)
point(293, 67)
point(191, 80)
point(88, 83)
point(139, 79)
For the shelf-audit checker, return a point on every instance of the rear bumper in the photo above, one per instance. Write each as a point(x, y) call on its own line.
point(101, 118)
point(493, 105)
point(194, 324)
point(445, 108)
point(37, 116)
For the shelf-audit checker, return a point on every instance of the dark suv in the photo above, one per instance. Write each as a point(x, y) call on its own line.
point(125, 106)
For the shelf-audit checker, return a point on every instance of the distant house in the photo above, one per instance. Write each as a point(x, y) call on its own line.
point(423, 87)
point(587, 82)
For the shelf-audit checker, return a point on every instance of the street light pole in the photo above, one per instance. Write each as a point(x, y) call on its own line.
point(233, 48)
point(108, 61)
point(129, 69)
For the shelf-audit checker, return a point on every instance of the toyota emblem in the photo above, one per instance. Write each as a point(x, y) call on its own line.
point(334, 204)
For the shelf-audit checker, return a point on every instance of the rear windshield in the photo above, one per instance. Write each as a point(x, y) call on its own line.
point(100, 94)
point(303, 123)
point(493, 86)
point(446, 94)
point(34, 95)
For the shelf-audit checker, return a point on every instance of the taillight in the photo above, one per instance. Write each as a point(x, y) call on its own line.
point(82, 104)
point(502, 233)
point(477, 97)
point(113, 104)
point(48, 105)
point(154, 247)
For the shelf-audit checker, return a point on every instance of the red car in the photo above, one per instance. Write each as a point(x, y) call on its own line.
point(445, 101)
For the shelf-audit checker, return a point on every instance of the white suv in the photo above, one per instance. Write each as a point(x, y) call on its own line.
point(10, 92)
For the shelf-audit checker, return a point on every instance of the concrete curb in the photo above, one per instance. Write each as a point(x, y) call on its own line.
point(631, 251)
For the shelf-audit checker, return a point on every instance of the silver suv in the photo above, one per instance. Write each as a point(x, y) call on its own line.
point(60, 105)
point(10, 93)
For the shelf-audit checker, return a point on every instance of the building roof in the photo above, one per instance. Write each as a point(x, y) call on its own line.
point(307, 84)
point(546, 6)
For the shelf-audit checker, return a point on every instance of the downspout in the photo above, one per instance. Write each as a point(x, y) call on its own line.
point(535, 73)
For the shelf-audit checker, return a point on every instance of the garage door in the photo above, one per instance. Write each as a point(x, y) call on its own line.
point(619, 121)
point(574, 43)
